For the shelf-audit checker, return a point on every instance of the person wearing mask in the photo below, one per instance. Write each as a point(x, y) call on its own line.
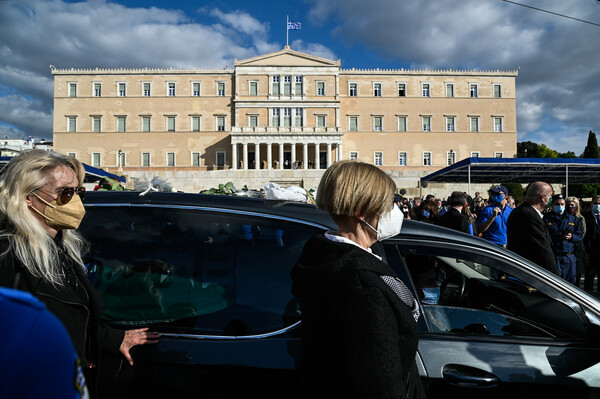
point(492, 220)
point(565, 232)
point(40, 252)
point(526, 231)
point(359, 320)
point(427, 212)
point(510, 201)
point(592, 244)
point(454, 218)
point(574, 209)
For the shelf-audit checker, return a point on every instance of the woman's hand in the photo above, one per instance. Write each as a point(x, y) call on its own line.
point(140, 336)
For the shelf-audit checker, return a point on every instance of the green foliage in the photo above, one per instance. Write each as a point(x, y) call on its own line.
point(591, 149)
point(108, 184)
point(568, 154)
point(223, 189)
point(516, 191)
point(584, 190)
point(545, 152)
point(527, 149)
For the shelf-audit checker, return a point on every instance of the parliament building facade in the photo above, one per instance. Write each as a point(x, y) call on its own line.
point(280, 117)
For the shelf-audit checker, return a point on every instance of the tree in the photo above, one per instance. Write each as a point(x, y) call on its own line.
point(545, 152)
point(516, 191)
point(591, 149)
point(568, 154)
point(527, 149)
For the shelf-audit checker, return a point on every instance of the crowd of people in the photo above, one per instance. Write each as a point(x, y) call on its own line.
point(559, 233)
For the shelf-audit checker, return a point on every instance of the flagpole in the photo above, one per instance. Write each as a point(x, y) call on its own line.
point(287, 31)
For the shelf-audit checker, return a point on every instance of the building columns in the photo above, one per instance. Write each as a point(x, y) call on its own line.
point(269, 156)
point(280, 155)
point(245, 149)
point(328, 154)
point(305, 156)
point(257, 156)
point(317, 156)
point(234, 156)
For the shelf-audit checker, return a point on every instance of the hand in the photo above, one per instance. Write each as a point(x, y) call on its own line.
point(140, 336)
point(497, 211)
point(568, 236)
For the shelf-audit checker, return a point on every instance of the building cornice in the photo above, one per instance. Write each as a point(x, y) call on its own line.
point(141, 71)
point(428, 72)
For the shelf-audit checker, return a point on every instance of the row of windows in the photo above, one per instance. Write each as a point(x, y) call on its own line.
point(170, 89)
point(426, 159)
point(145, 123)
point(401, 89)
point(146, 159)
point(401, 123)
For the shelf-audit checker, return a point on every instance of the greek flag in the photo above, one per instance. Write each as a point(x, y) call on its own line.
point(291, 25)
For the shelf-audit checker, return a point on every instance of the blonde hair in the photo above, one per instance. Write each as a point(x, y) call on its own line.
point(27, 239)
point(576, 201)
point(351, 188)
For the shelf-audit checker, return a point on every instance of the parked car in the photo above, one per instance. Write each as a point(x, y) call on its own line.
point(212, 275)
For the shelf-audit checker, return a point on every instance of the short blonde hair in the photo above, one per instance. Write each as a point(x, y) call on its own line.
point(350, 188)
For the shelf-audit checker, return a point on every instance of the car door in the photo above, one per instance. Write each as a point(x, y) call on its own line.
point(494, 327)
point(215, 283)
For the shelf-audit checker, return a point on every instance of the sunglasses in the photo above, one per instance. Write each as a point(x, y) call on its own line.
point(66, 194)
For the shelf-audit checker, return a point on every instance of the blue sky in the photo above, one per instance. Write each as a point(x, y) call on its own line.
point(558, 59)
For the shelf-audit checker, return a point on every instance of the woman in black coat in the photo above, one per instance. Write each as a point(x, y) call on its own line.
point(358, 319)
point(40, 252)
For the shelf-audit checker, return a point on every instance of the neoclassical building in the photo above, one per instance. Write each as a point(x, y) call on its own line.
point(282, 117)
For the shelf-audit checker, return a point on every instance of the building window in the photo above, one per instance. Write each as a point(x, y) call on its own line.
point(287, 117)
point(275, 117)
point(253, 88)
point(353, 155)
point(320, 120)
point(401, 89)
point(425, 89)
point(145, 159)
point(299, 89)
point(474, 123)
point(376, 89)
point(170, 123)
point(96, 124)
point(195, 159)
point(146, 88)
point(450, 158)
point(498, 155)
point(221, 89)
point(170, 159)
point(377, 123)
point(378, 158)
point(220, 123)
point(402, 158)
point(474, 88)
point(72, 154)
point(287, 85)
point(450, 123)
point(96, 159)
point(275, 85)
point(299, 117)
point(72, 89)
point(253, 120)
point(320, 88)
point(120, 123)
point(352, 89)
point(121, 162)
point(449, 89)
point(402, 123)
point(171, 89)
point(353, 125)
point(497, 124)
point(220, 159)
point(426, 123)
point(196, 89)
point(475, 154)
point(195, 123)
point(97, 89)
point(427, 158)
point(122, 90)
point(497, 90)
point(145, 123)
point(71, 124)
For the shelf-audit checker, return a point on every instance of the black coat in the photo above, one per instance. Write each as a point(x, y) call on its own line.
point(359, 339)
point(454, 219)
point(76, 303)
point(591, 239)
point(528, 236)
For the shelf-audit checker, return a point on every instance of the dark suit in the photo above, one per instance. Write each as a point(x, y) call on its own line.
point(529, 237)
point(592, 248)
point(454, 219)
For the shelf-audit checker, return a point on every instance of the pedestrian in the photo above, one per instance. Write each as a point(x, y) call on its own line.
point(526, 231)
point(41, 252)
point(565, 232)
point(359, 320)
point(574, 209)
point(592, 244)
point(492, 220)
point(454, 218)
point(427, 212)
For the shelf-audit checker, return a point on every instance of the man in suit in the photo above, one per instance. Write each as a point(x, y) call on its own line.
point(454, 218)
point(527, 232)
point(592, 244)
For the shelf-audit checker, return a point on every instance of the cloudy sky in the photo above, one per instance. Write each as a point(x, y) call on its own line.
point(558, 58)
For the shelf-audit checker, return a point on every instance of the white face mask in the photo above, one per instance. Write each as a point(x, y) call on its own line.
point(389, 224)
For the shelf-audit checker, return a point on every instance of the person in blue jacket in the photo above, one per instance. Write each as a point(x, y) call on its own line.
point(29, 366)
point(492, 219)
point(565, 231)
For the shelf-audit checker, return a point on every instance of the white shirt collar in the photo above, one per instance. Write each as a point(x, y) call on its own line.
point(333, 236)
point(539, 213)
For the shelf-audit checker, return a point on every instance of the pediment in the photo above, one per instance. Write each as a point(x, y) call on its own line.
point(287, 57)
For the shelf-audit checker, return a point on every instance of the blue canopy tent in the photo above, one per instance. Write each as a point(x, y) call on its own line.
point(518, 170)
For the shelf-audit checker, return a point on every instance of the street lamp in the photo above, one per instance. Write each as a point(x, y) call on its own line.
point(119, 165)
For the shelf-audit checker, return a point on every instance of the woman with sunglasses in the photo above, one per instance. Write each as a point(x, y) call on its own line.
point(40, 252)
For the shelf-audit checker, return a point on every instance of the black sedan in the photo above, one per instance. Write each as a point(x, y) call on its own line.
point(212, 275)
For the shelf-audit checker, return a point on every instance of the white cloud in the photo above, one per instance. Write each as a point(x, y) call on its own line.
point(26, 116)
point(313, 49)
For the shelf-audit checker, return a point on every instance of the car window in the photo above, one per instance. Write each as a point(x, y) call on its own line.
point(466, 292)
point(193, 271)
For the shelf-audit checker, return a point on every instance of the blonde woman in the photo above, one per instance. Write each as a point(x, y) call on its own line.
point(358, 319)
point(574, 208)
point(40, 252)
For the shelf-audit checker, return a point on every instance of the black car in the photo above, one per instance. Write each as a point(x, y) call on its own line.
point(212, 275)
